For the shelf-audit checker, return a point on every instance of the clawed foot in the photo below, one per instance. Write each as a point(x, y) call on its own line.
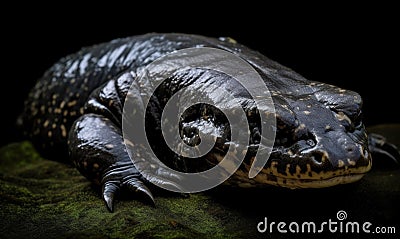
point(124, 178)
point(385, 155)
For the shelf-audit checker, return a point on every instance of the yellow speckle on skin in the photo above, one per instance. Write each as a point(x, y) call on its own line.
point(306, 112)
point(49, 134)
point(351, 162)
point(42, 109)
point(362, 151)
point(301, 127)
point(46, 123)
point(34, 112)
point(62, 104)
point(328, 127)
point(95, 165)
point(340, 163)
point(72, 103)
point(287, 171)
point(63, 131)
point(109, 146)
point(342, 116)
point(229, 39)
point(129, 143)
point(53, 126)
point(298, 170)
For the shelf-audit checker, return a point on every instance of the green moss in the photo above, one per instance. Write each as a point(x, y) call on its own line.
point(54, 197)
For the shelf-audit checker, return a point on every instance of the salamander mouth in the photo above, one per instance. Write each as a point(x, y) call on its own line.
point(316, 180)
point(292, 183)
point(314, 183)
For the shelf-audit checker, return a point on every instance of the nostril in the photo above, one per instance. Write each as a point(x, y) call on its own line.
point(351, 148)
point(319, 157)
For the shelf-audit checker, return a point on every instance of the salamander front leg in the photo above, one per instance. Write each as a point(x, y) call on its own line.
point(96, 148)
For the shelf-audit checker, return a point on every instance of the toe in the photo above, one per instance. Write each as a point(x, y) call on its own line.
point(109, 190)
point(136, 186)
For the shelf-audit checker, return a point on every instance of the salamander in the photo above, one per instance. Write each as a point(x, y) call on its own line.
point(74, 114)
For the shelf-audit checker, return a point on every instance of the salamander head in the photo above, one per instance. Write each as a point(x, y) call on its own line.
point(320, 139)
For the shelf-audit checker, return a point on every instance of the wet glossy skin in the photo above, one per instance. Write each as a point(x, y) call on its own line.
point(74, 114)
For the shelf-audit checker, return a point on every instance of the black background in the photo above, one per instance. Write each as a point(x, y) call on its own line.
point(354, 47)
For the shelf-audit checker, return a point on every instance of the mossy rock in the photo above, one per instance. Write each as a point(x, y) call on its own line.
point(45, 199)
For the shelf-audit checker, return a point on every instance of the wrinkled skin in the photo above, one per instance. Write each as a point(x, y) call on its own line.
point(74, 114)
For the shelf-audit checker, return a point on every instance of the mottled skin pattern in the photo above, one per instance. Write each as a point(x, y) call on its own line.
point(74, 114)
